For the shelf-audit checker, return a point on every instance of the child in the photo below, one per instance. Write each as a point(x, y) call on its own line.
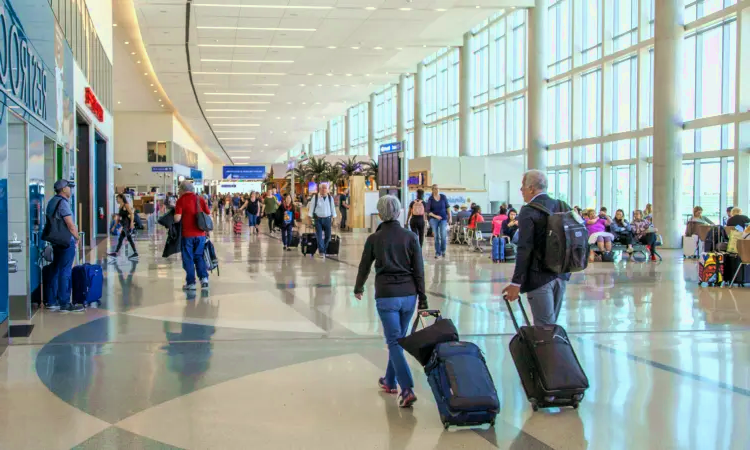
point(114, 226)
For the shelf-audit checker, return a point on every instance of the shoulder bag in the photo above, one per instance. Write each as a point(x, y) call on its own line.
point(202, 220)
point(55, 230)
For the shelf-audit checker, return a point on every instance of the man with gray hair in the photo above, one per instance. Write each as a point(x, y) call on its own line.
point(399, 282)
point(193, 238)
point(545, 289)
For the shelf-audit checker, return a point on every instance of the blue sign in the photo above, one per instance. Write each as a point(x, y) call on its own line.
point(244, 172)
point(196, 175)
point(162, 169)
point(390, 148)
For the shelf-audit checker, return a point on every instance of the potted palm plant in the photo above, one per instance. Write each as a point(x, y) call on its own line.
point(371, 171)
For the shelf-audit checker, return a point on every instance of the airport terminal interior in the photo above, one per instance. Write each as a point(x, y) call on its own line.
point(117, 106)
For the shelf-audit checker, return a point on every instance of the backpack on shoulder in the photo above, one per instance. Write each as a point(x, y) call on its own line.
point(418, 208)
point(566, 249)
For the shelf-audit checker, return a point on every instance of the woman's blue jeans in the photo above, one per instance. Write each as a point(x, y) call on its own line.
point(395, 314)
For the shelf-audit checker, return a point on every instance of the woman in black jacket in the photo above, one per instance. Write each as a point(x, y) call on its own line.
point(284, 219)
point(399, 281)
point(510, 225)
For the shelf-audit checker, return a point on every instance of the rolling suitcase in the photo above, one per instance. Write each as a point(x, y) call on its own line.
point(689, 246)
point(295, 239)
point(308, 244)
point(547, 364)
point(510, 252)
point(87, 280)
point(333, 245)
point(731, 262)
point(462, 385)
point(498, 249)
point(210, 258)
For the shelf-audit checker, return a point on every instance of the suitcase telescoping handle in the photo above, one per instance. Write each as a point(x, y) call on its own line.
point(82, 249)
point(512, 314)
point(422, 314)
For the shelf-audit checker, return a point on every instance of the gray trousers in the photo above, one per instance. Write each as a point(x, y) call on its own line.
point(546, 301)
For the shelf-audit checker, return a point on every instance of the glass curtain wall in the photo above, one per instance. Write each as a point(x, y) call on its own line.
point(441, 103)
point(319, 142)
point(408, 105)
point(386, 102)
point(358, 129)
point(337, 135)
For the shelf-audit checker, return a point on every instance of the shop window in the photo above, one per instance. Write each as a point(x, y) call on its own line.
point(157, 151)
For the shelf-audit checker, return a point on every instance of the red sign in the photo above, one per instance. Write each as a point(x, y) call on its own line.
point(94, 104)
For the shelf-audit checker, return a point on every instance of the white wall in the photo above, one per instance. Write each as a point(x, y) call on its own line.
point(18, 203)
point(101, 14)
point(501, 169)
point(181, 136)
point(134, 129)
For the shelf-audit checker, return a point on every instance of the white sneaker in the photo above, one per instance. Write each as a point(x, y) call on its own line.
point(321, 256)
point(189, 287)
point(204, 283)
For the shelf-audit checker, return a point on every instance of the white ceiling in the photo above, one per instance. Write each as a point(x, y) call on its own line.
point(319, 82)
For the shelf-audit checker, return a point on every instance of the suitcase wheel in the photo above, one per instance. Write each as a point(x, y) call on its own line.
point(446, 425)
point(575, 405)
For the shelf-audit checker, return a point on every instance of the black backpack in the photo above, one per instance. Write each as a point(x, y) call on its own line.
point(566, 247)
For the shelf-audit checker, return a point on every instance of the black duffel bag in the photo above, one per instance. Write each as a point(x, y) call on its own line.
point(421, 343)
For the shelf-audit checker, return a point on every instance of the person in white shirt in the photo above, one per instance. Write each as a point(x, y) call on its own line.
point(322, 210)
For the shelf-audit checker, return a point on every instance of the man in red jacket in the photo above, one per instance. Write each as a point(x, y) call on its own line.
point(193, 239)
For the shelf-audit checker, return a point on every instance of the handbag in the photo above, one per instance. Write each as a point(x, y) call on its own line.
point(420, 344)
point(203, 221)
point(55, 230)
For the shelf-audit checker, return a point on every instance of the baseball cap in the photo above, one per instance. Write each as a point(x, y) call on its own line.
point(62, 184)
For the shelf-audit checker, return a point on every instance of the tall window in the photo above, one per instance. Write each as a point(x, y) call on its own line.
point(358, 129)
point(590, 188)
point(559, 37)
point(319, 142)
point(558, 112)
point(591, 110)
point(385, 115)
point(441, 103)
point(337, 134)
point(591, 29)
point(625, 29)
point(625, 97)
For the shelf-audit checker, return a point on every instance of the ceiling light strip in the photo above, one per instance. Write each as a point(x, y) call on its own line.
point(249, 46)
point(239, 103)
point(258, 61)
point(239, 94)
point(239, 73)
point(216, 5)
point(256, 29)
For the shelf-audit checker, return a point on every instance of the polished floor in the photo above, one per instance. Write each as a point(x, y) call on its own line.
point(280, 355)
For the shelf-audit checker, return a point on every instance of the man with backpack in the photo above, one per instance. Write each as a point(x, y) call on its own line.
point(322, 210)
point(546, 224)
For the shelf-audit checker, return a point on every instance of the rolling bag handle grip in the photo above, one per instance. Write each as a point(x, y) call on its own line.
point(425, 313)
point(513, 316)
point(82, 250)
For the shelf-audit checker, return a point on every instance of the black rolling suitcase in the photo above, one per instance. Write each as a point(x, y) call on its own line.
point(547, 364)
point(308, 244)
point(731, 263)
point(333, 245)
point(295, 239)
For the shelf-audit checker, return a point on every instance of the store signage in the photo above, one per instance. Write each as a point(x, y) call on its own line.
point(22, 73)
point(196, 175)
point(162, 169)
point(228, 186)
point(244, 172)
point(94, 105)
point(390, 148)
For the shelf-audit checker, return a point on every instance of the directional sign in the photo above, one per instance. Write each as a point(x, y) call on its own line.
point(391, 147)
point(244, 172)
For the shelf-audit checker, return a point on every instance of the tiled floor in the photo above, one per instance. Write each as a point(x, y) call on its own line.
point(280, 355)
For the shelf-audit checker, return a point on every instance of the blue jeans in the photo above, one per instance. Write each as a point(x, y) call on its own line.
point(440, 231)
point(395, 314)
point(514, 239)
point(286, 235)
point(323, 225)
point(192, 258)
point(253, 220)
point(62, 267)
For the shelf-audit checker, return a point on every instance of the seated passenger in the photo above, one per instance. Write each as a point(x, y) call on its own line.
point(497, 221)
point(476, 217)
point(598, 234)
point(622, 231)
point(648, 213)
point(729, 215)
point(510, 226)
point(698, 217)
point(737, 218)
point(644, 232)
point(464, 214)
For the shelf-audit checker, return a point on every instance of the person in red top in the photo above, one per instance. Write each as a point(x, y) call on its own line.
point(476, 217)
point(193, 239)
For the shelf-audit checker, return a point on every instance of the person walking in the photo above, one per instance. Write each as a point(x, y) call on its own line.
point(252, 208)
point(545, 289)
point(439, 214)
point(270, 205)
point(284, 218)
point(322, 211)
point(58, 209)
point(416, 216)
point(126, 218)
point(193, 239)
point(399, 284)
point(344, 207)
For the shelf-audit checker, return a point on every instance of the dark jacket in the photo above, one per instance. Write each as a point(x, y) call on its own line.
point(530, 273)
point(174, 234)
point(508, 230)
point(278, 217)
point(620, 229)
point(739, 219)
point(399, 269)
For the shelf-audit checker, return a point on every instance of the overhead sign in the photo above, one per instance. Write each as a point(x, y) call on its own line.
point(391, 147)
point(93, 104)
point(22, 73)
point(162, 169)
point(244, 172)
point(196, 175)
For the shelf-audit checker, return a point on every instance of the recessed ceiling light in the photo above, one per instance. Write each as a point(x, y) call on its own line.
point(257, 29)
point(237, 110)
point(132, 53)
point(387, 73)
point(278, 118)
point(126, 42)
point(238, 138)
point(293, 118)
point(302, 85)
point(478, 6)
point(441, 9)
point(355, 48)
point(371, 8)
point(154, 90)
point(367, 74)
point(239, 103)
point(253, 94)
point(214, 5)
point(331, 46)
point(285, 132)
point(258, 61)
point(138, 62)
point(424, 46)
point(236, 125)
point(309, 74)
point(336, 85)
point(317, 103)
point(114, 24)
point(145, 73)
point(152, 84)
point(288, 103)
point(348, 74)
point(238, 73)
point(162, 106)
point(399, 48)
point(329, 74)
point(118, 102)
point(404, 9)
point(265, 145)
point(304, 103)
point(320, 85)
point(378, 48)
point(250, 46)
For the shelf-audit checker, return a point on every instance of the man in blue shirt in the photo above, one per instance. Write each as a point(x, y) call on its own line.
point(323, 210)
point(439, 213)
point(278, 196)
point(58, 209)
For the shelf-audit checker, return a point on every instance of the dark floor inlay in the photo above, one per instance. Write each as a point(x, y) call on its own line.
point(17, 331)
point(117, 438)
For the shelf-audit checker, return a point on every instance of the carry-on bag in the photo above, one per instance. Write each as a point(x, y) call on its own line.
point(295, 239)
point(308, 244)
point(87, 280)
point(462, 385)
point(210, 258)
point(689, 246)
point(732, 262)
point(498, 249)
point(333, 245)
point(238, 228)
point(421, 343)
point(548, 366)
point(510, 252)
